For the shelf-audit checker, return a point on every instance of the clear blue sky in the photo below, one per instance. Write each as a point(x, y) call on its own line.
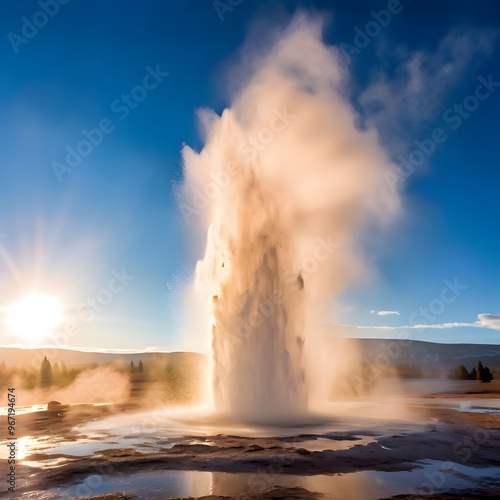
point(116, 209)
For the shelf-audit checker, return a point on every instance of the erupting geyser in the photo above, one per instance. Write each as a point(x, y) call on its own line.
point(284, 185)
point(258, 319)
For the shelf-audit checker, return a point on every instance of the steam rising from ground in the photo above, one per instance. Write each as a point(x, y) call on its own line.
point(103, 384)
point(287, 181)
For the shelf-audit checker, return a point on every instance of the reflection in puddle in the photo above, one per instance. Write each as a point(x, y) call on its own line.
point(353, 486)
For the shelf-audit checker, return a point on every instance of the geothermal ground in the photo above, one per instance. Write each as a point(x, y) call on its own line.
point(413, 444)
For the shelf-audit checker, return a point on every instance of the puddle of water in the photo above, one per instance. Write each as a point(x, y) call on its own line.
point(20, 410)
point(79, 449)
point(432, 477)
point(85, 447)
point(143, 485)
point(484, 406)
point(174, 423)
point(486, 411)
point(93, 444)
point(191, 442)
point(322, 444)
point(28, 445)
point(491, 406)
point(47, 463)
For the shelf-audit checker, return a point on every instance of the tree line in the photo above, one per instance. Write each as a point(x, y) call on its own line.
point(176, 382)
point(481, 373)
point(138, 369)
point(31, 377)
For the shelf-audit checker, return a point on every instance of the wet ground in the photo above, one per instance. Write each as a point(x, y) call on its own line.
point(414, 445)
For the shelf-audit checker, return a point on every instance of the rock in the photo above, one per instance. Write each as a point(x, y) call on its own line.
point(254, 447)
point(54, 406)
point(303, 451)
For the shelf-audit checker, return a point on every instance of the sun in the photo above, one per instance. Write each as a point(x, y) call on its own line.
point(35, 316)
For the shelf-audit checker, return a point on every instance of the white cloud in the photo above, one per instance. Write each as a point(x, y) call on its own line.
point(488, 320)
point(485, 320)
point(385, 313)
point(442, 326)
point(434, 326)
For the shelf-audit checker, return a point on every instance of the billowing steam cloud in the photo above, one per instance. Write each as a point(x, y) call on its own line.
point(286, 183)
point(103, 384)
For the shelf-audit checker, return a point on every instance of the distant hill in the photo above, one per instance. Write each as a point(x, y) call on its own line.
point(427, 355)
point(432, 356)
point(15, 356)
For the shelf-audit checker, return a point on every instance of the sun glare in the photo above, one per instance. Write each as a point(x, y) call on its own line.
point(35, 316)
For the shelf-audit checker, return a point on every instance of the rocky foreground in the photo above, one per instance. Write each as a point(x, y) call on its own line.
point(445, 435)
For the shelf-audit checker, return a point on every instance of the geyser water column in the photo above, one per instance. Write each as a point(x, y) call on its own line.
point(257, 322)
point(284, 173)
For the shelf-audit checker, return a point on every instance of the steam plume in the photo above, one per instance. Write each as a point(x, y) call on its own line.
point(287, 181)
